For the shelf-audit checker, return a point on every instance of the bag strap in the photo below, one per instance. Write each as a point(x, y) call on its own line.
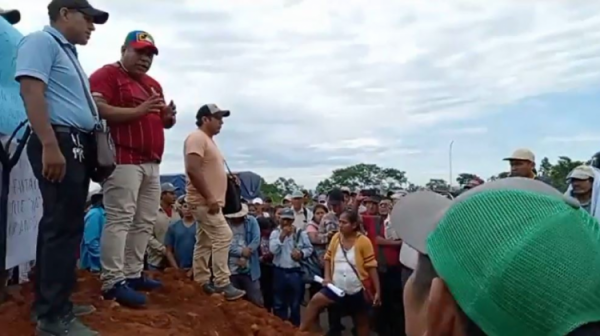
point(349, 263)
point(86, 92)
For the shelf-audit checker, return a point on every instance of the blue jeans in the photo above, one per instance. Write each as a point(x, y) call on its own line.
point(288, 291)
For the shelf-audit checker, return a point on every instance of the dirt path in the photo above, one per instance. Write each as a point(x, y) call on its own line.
point(179, 309)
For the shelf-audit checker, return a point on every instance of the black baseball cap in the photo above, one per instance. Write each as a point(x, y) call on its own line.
point(210, 110)
point(83, 6)
point(12, 16)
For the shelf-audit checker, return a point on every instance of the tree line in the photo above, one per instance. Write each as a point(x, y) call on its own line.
point(371, 176)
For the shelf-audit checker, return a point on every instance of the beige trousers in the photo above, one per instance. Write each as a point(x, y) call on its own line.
point(131, 200)
point(213, 238)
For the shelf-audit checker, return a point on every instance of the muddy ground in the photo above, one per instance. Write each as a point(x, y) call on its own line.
point(180, 308)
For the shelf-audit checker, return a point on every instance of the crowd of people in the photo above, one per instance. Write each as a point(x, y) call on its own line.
point(509, 257)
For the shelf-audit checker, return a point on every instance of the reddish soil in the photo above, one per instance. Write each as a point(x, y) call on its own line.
point(180, 308)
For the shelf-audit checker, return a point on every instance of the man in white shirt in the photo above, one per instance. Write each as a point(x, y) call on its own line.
point(302, 215)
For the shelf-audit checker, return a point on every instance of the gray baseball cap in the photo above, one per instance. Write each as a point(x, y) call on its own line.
point(167, 187)
point(419, 213)
point(287, 213)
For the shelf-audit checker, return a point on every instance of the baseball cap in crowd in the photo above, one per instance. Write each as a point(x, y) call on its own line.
point(522, 154)
point(83, 6)
point(582, 172)
point(287, 197)
point(287, 213)
point(139, 39)
point(210, 110)
point(167, 187)
point(257, 200)
point(345, 190)
point(12, 16)
point(335, 196)
point(517, 256)
point(322, 199)
point(297, 194)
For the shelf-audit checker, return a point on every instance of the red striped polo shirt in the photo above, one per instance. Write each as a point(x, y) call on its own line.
point(140, 140)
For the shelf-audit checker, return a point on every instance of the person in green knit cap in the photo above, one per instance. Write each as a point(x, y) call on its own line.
point(513, 257)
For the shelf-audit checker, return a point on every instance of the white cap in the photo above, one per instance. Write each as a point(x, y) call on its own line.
point(522, 154)
point(582, 172)
point(257, 200)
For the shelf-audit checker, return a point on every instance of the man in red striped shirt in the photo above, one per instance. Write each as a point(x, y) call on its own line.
point(133, 105)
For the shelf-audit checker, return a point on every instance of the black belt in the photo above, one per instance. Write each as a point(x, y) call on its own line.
point(69, 130)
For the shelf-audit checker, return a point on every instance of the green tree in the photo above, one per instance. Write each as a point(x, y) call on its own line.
point(270, 190)
point(438, 185)
point(463, 178)
point(560, 171)
point(545, 168)
point(286, 186)
point(364, 176)
point(412, 187)
point(499, 176)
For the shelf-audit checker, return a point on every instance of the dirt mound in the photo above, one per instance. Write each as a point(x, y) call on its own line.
point(180, 308)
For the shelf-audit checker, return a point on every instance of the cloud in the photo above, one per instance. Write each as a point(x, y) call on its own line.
point(315, 85)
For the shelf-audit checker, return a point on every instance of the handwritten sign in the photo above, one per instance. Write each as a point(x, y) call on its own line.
point(24, 212)
point(12, 111)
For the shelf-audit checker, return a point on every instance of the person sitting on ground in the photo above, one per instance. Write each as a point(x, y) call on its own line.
point(166, 216)
point(180, 239)
point(289, 246)
point(243, 254)
point(531, 266)
point(92, 233)
point(350, 265)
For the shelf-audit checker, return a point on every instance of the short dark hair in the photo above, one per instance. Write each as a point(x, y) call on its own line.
point(424, 275)
point(266, 223)
point(320, 206)
point(336, 195)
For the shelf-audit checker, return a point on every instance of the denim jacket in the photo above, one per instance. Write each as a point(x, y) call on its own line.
point(282, 251)
point(252, 242)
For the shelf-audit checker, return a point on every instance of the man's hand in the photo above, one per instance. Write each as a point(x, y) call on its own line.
point(213, 207)
point(53, 162)
point(297, 255)
point(246, 252)
point(154, 104)
point(242, 262)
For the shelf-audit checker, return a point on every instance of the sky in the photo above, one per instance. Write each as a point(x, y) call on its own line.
point(319, 85)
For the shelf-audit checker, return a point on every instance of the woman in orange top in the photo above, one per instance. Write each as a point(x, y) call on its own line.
point(350, 265)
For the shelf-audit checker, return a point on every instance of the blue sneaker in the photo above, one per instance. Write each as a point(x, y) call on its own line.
point(125, 295)
point(144, 283)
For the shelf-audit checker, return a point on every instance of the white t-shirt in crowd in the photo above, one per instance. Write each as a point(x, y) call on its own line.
point(344, 277)
point(409, 256)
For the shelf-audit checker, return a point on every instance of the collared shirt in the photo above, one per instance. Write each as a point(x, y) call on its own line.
point(156, 247)
point(282, 251)
point(302, 217)
point(42, 57)
point(137, 141)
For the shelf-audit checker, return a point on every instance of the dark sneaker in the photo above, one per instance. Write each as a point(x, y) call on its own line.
point(209, 288)
point(68, 325)
point(125, 295)
point(231, 293)
point(144, 283)
point(78, 311)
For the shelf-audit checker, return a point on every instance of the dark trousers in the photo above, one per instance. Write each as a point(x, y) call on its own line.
point(288, 292)
point(266, 285)
point(61, 226)
point(390, 316)
point(251, 287)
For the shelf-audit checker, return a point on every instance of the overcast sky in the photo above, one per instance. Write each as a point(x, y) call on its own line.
point(318, 85)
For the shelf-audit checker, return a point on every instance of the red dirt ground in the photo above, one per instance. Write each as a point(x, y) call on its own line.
point(180, 308)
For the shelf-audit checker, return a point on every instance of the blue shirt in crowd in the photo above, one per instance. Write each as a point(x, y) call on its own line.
point(252, 241)
point(282, 251)
point(182, 239)
point(90, 244)
point(40, 56)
